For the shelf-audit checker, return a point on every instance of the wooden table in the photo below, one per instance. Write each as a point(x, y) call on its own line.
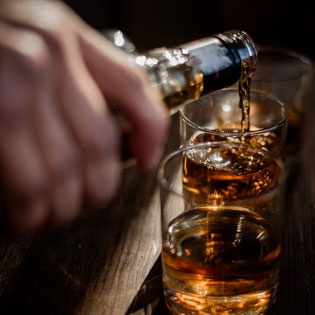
point(107, 262)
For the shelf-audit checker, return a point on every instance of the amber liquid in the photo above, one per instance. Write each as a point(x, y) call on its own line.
point(244, 91)
point(270, 141)
point(220, 260)
point(226, 174)
point(190, 92)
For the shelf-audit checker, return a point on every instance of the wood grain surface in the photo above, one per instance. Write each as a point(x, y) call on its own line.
point(102, 263)
point(95, 266)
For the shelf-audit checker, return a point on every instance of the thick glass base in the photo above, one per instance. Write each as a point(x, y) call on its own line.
point(182, 303)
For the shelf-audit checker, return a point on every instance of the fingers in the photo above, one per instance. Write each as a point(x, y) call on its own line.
point(59, 146)
point(62, 159)
point(120, 83)
point(22, 168)
point(82, 103)
point(54, 151)
point(26, 183)
point(85, 110)
point(128, 87)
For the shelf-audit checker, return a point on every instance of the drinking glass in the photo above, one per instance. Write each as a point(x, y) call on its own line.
point(221, 206)
point(217, 117)
point(286, 75)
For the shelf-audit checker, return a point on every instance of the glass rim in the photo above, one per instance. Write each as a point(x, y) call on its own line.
point(300, 57)
point(238, 133)
point(165, 184)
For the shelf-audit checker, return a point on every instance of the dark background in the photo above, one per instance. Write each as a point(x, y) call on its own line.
point(153, 23)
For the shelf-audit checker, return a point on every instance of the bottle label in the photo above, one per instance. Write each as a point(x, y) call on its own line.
point(212, 55)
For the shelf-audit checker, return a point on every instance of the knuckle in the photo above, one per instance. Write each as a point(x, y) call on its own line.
point(34, 53)
point(55, 19)
point(26, 67)
point(54, 26)
point(59, 7)
point(61, 10)
point(29, 50)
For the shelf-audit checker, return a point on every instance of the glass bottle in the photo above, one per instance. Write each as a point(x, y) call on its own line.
point(183, 73)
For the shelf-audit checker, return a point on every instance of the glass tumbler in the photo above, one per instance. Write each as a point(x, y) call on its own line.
point(286, 75)
point(221, 206)
point(217, 117)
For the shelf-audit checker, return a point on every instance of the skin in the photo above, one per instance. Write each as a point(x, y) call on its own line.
point(59, 144)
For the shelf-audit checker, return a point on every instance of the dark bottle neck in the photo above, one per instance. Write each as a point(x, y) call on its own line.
point(220, 58)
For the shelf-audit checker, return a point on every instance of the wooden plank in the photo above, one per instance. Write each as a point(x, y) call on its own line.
point(129, 264)
point(11, 256)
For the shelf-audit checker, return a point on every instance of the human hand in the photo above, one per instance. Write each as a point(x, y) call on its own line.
point(59, 145)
